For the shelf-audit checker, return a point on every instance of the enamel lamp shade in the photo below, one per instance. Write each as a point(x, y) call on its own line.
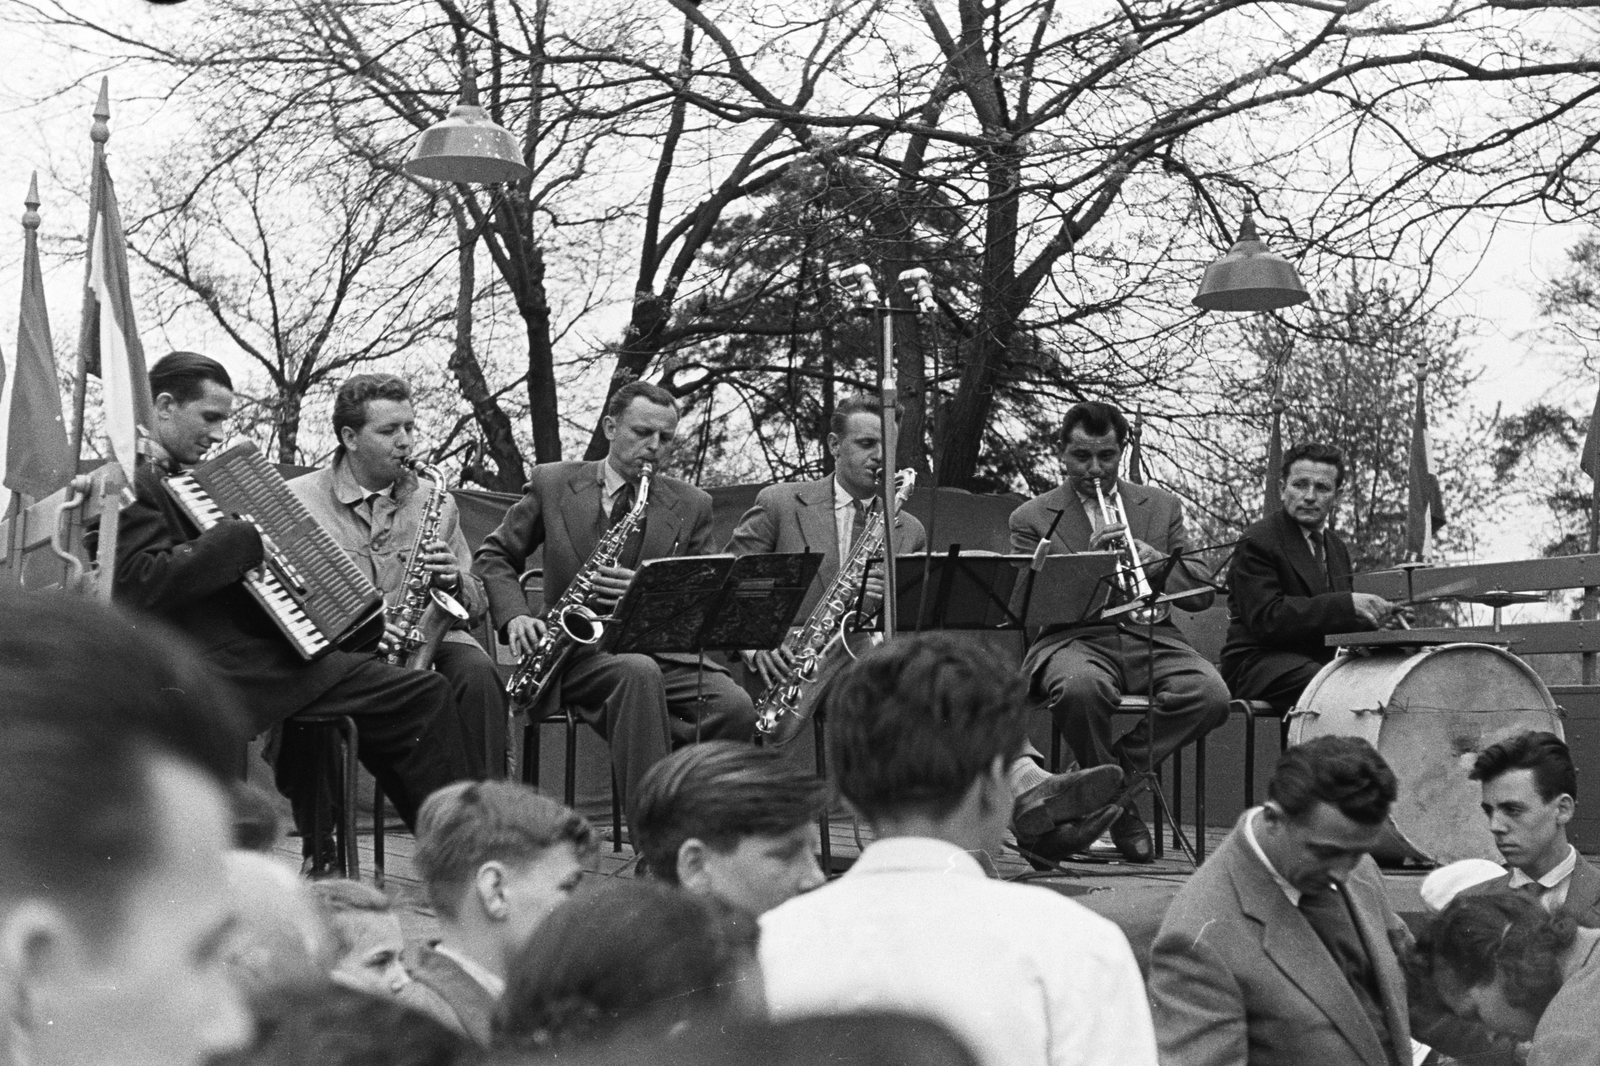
point(467, 146)
point(1250, 278)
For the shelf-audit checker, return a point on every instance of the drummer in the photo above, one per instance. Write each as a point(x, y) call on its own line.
point(1289, 586)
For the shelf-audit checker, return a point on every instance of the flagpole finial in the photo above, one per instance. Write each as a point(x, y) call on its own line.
point(100, 132)
point(30, 217)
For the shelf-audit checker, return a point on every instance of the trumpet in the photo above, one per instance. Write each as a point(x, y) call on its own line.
point(1131, 579)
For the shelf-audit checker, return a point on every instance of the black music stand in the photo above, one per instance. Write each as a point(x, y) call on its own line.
point(711, 603)
point(999, 592)
point(704, 603)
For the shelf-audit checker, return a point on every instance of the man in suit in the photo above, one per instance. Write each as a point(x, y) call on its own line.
point(1082, 671)
point(642, 704)
point(825, 516)
point(494, 858)
point(409, 736)
point(1277, 952)
point(373, 503)
point(1530, 790)
point(1289, 586)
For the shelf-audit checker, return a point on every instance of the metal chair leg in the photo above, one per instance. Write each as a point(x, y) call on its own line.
point(377, 835)
point(616, 815)
point(572, 760)
point(352, 771)
point(824, 826)
point(1200, 799)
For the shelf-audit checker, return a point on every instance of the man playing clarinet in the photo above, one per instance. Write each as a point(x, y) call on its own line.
point(410, 738)
point(644, 705)
point(1083, 670)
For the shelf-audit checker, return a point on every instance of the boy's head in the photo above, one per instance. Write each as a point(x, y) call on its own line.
point(915, 724)
point(499, 857)
point(730, 820)
point(366, 934)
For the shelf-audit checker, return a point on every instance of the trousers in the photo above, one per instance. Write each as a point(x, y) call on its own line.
point(480, 702)
point(645, 706)
point(1083, 679)
point(409, 738)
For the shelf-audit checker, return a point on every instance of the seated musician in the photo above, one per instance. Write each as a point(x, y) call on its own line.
point(1082, 671)
point(373, 504)
point(1289, 586)
point(642, 704)
point(826, 516)
point(410, 738)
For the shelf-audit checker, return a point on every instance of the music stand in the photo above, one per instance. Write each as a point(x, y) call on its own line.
point(981, 591)
point(702, 603)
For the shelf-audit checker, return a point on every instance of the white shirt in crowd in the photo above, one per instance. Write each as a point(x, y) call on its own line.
point(1023, 975)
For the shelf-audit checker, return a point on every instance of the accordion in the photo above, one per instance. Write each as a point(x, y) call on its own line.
point(307, 584)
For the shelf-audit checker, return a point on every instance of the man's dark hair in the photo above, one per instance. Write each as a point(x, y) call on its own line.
point(350, 402)
point(466, 824)
point(1546, 754)
point(87, 700)
point(854, 405)
point(1346, 773)
point(1312, 452)
point(1480, 935)
point(634, 390)
point(329, 1025)
point(720, 792)
point(183, 375)
point(623, 952)
point(913, 723)
point(1096, 419)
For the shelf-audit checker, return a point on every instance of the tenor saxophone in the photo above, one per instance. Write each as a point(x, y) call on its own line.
point(787, 705)
point(571, 621)
point(425, 613)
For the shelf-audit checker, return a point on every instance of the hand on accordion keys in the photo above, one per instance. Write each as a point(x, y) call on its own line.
point(275, 560)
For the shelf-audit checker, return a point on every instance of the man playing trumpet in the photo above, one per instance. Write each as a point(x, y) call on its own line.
point(826, 516)
point(1082, 671)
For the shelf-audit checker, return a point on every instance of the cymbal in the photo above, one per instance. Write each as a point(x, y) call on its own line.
point(1498, 598)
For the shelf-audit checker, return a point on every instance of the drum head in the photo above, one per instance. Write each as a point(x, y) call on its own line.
point(1429, 714)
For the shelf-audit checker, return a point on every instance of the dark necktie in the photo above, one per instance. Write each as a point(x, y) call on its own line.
point(858, 524)
point(623, 504)
point(1534, 891)
point(1330, 917)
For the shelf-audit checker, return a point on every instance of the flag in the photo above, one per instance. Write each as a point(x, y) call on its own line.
point(111, 343)
point(1425, 504)
point(1590, 462)
point(38, 459)
point(1272, 502)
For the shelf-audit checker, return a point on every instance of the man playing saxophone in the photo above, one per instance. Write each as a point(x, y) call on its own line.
point(1081, 671)
point(643, 705)
point(373, 503)
point(828, 516)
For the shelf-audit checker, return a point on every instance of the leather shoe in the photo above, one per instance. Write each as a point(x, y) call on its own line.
point(1067, 839)
point(1064, 797)
point(1132, 837)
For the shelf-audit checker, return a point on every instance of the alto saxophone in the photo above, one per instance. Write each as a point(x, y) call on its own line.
point(787, 705)
point(425, 613)
point(571, 621)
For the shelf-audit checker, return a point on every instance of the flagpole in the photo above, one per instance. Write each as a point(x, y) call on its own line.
point(1591, 595)
point(99, 133)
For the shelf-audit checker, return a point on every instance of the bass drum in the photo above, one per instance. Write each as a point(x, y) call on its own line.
point(1428, 713)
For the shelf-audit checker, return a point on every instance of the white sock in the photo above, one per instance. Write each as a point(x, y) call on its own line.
point(1023, 774)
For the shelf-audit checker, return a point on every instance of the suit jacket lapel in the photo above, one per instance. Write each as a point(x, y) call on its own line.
point(1391, 982)
point(814, 515)
point(663, 521)
point(1299, 553)
point(1073, 531)
point(1293, 946)
point(581, 514)
point(1339, 578)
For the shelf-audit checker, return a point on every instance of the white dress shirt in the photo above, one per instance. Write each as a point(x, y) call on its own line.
point(1023, 975)
point(611, 485)
point(1556, 882)
point(844, 516)
point(1289, 890)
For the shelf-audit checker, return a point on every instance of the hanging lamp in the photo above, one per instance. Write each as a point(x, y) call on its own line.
point(467, 145)
point(1249, 277)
